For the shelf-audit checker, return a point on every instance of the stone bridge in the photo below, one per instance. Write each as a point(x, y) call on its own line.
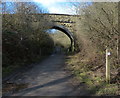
point(63, 22)
point(68, 24)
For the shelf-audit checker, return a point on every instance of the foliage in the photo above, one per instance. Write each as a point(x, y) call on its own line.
point(97, 30)
point(61, 39)
point(22, 43)
point(92, 79)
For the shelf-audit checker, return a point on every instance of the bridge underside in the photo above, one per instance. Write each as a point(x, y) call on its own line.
point(68, 33)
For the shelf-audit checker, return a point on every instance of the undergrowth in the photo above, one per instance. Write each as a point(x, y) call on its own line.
point(6, 71)
point(92, 76)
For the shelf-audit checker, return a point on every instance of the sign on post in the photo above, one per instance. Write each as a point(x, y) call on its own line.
point(107, 66)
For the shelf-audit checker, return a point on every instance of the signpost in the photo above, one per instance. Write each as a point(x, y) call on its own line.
point(107, 66)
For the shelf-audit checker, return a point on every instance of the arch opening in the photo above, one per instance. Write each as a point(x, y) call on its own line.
point(67, 32)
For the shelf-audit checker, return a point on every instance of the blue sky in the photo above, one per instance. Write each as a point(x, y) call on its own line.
point(55, 6)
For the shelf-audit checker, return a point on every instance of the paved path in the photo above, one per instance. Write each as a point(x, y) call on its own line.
point(47, 79)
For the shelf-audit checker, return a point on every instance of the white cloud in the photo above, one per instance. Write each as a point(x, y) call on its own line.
point(54, 7)
point(56, 10)
point(45, 2)
point(49, 2)
point(61, 10)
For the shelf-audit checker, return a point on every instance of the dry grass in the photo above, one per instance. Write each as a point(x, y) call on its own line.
point(12, 87)
point(91, 72)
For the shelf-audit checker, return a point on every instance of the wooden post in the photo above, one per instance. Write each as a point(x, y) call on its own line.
point(117, 49)
point(107, 67)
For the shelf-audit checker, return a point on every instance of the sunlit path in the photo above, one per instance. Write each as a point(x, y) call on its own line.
point(48, 78)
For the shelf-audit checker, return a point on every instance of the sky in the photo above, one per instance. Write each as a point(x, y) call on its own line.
point(54, 6)
point(57, 6)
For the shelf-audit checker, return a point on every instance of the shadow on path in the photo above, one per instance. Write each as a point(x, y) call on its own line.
point(52, 83)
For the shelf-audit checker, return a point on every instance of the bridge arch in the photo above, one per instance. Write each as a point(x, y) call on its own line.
point(67, 32)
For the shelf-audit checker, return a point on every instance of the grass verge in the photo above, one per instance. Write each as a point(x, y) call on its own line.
point(94, 80)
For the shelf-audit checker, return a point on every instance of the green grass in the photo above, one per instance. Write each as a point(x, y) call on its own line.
point(8, 70)
point(108, 89)
point(96, 85)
